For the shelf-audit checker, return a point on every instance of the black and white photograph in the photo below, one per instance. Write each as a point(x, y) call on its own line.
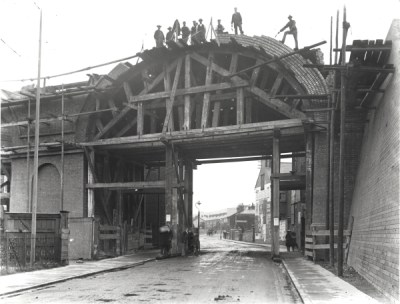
point(200, 152)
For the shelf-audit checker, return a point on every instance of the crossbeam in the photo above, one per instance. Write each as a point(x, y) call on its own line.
point(128, 185)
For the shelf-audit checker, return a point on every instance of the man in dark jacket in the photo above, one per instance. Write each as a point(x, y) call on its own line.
point(220, 27)
point(201, 31)
point(193, 33)
point(292, 31)
point(170, 34)
point(159, 37)
point(237, 22)
point(185, 32)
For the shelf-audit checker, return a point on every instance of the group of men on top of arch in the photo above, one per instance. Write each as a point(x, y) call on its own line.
point(197, 33)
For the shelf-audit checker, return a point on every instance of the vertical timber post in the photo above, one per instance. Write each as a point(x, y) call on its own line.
point(36, 153)
point(343, 83)
point(309, 175)
point(331, 161)
point(187, 110)
point(275, 193)
point(171, 198)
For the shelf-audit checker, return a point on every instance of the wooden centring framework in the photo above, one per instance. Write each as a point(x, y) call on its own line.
point(185, 96)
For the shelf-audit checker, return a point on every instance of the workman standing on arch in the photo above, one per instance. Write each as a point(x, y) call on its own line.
point(292, 31)
point(237, 21)
point(159, 37)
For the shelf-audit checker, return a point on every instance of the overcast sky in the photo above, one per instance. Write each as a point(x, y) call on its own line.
point(79, 34)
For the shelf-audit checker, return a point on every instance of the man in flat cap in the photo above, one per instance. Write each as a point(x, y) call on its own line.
point(159, 37)
point(237, 21)
point(201, 29)
point(292, 31)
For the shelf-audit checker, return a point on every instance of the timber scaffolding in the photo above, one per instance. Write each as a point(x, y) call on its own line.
point(237, 99)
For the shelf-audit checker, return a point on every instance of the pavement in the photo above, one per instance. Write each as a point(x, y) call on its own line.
point(313, 283)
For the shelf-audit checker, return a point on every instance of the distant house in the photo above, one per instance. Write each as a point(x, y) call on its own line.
point(218, 220)
point(263, 202)
point(245, 220)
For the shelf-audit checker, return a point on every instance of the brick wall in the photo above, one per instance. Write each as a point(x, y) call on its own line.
point(374, 248)
point(73, 182)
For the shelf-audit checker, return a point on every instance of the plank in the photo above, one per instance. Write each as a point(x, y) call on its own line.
point(276, 104)
point(188, 91)
point(327, 232)
point(240, 106)
point(321, 246)
point(187, 109)
point(171, 99)
point(127, 185)
point(206, 98)
point(216, 114)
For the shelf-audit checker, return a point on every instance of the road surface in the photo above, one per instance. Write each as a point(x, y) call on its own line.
point(224, 272)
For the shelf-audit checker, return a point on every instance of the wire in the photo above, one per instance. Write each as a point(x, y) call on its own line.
point(10, 47)
point(73, 72)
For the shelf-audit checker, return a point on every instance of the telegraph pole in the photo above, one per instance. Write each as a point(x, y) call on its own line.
point(343, 84)
point(36, 153)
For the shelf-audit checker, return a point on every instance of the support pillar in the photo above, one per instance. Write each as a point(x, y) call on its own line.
point(171, 198)
point(309, 175)
point(275, 194)
point(189, 193)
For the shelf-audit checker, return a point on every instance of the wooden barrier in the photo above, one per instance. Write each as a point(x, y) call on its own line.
point(313, 243)
point(107, 234)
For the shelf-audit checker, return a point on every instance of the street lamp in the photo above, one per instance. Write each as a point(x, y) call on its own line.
point(198, 215)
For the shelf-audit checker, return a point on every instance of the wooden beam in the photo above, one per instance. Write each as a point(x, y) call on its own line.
point(94, 175)
point(140, 119)
point(129, 95)
point(276, 104)
point(128, 185)
point(170, 101)
point(234, 63)
point(221, 71)
point(187, 112)
point(111, 103)
point(192, 90)
point(275, 194)
point(153, 140)
point(255, 73)
point(248, 105)
point(206, 99)
point(216, 114)
point(112, 123)
point(127, 127)
point(277, 84)
point(240, 106)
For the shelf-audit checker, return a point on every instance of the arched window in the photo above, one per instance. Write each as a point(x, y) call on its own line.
point(49, 189)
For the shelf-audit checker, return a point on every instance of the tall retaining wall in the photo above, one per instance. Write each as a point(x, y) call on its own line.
point(374, 247)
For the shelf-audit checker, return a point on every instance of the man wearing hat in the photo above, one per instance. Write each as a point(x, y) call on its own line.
point(170, 34)
point(159, 37)
point(185, 32)
point(202, 31)
point(220, 27)
point(193, 33)
point(292, 31)
point(237, 21)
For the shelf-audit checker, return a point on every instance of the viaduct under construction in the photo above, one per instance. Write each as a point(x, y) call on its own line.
point(117, 153)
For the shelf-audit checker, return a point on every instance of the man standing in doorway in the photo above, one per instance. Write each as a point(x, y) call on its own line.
point(237, 21)
point(292, 31)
